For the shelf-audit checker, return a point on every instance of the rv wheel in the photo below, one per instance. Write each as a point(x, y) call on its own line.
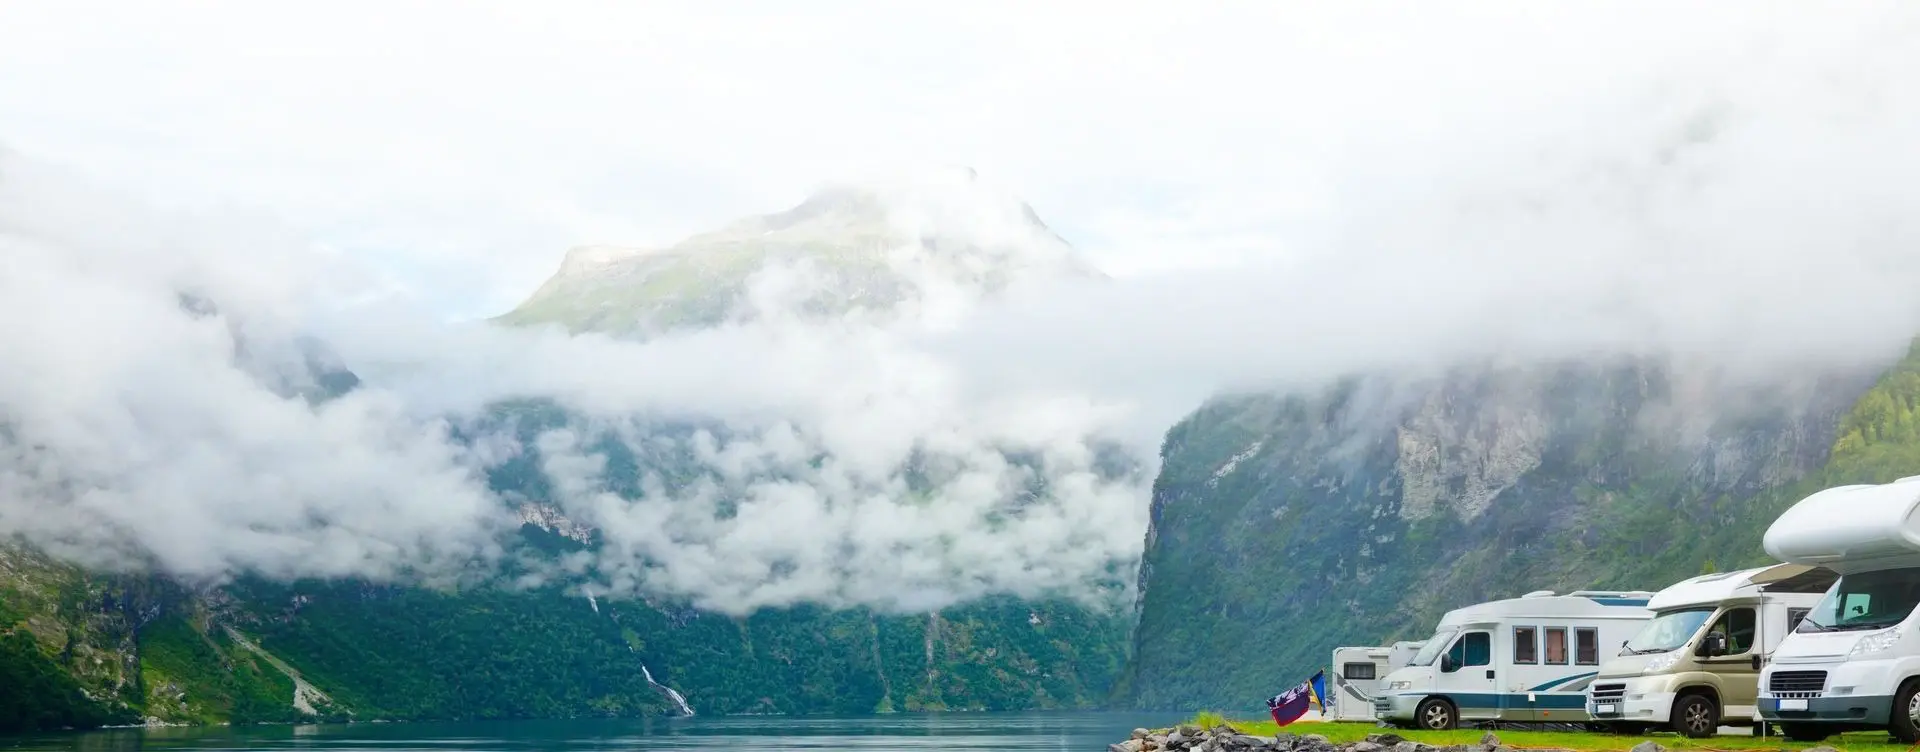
point(1435, 714)
point(1695, 716)
point(1905, 723)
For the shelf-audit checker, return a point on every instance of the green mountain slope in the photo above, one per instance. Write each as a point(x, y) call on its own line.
point(97, 649)
point(83, 651)
point(1284, 526)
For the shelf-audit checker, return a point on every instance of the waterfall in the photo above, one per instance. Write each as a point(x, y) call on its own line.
point(671, 694)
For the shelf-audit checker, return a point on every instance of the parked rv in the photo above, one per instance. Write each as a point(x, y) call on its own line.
point(1696, 665)
point(1357, 672)
point(1853, 662)
point(1526, 659)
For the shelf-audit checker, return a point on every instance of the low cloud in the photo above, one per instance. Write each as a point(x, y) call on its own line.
point(1751, 212)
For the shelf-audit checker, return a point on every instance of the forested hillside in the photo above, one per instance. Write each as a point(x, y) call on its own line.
point(87, 649)
point(1284, 526)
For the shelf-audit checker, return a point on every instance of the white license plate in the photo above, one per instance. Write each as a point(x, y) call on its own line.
point(1603, 709)
point(1793, 704)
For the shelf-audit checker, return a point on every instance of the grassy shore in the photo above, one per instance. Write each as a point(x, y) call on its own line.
point(1340, 733)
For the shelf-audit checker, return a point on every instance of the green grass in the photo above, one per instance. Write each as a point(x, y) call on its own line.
point(1340, 733)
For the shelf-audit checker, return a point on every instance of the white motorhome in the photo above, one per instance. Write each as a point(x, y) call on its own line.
point(1526, 659)
point(1696, 665)
point(1357, 672)
point(1854, 662)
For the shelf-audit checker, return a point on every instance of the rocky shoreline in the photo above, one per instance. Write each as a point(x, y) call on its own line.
point(1228, 739)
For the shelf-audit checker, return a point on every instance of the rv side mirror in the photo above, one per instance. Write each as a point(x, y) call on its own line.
point(1714, 645)
point(1447, 665)
point(1756, 662)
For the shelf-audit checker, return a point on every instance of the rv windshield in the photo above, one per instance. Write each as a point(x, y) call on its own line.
point(1434, 647)
point(1668, 630)
point(1867, 600)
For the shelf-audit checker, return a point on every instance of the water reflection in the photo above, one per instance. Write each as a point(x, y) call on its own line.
point(1058, 732)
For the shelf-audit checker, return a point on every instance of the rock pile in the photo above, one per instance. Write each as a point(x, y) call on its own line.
point(1228, 739)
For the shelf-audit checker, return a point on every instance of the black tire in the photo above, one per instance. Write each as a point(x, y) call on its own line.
point(1804, 732)
point(1906, 704)
point(1436, 714)
point(1695, 716)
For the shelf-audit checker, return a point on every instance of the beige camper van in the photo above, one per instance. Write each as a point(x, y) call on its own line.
point(1696, 666)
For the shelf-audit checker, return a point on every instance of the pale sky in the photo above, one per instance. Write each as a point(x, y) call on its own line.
point(1292, 193)
point(463, 146)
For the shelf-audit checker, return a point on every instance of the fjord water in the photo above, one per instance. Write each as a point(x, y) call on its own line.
point(1055, 732)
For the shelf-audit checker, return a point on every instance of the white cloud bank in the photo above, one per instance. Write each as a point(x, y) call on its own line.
point(1726, 186)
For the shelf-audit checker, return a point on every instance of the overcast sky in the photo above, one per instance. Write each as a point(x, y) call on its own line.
point(1290, 192)
point(462, 146)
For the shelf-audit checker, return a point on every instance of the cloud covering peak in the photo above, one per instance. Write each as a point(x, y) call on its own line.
point(1739, 199)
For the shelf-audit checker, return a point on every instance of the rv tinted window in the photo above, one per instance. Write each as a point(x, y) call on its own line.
point(1587, 646)
point(1738, 627)
point(1479, 649)
point(1359, 671)
point(1526, 645)
point(1865, 600)
point(1556, 647)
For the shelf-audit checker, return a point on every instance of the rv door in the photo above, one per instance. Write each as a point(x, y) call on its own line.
point(1728, 648)
point(1470, 675)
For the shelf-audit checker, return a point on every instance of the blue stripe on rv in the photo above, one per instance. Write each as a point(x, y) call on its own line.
point(1512, 701)
point(1563, 680)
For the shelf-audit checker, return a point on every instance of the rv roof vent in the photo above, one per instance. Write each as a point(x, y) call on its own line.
point(1538, 594)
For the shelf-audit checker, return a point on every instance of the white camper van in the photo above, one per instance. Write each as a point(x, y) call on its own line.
point(1696, 665)
point(1526, 659)
point(1357, 672)
point(1854, 661)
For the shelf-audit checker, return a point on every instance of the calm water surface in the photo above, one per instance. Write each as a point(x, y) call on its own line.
point(1062, 732)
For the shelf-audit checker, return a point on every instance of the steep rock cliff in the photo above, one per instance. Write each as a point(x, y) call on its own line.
point(1285, 525)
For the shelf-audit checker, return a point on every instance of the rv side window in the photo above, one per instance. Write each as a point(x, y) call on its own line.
point(1794, 615)
point(1556, 647)
point(1738, 627)
point(1526, 645)
point(1479, 649)
point(1473, 649)
point(1357, 671)
point(1587, 644)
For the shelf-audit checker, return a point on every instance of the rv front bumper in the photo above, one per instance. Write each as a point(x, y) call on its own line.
point(1870, 710)
point(1396, 707)
point(1637, 699)
point(1641, 707)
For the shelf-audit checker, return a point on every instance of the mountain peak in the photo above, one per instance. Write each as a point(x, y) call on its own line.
point(874, 243)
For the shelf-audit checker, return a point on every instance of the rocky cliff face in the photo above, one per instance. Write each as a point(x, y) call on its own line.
point(1285, 525)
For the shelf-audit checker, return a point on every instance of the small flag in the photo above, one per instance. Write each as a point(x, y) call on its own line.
point(1288, 706)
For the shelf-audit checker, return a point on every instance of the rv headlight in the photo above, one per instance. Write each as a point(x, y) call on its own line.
point(1876, 642)
point(1400, 685)
point(1661, 662)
